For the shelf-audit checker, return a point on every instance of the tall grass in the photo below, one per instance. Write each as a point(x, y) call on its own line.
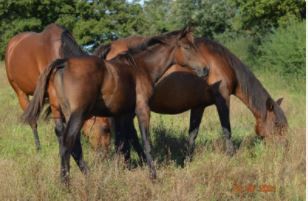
point(212, 175)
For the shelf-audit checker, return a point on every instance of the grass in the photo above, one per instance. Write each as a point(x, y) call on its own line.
point(28, 175)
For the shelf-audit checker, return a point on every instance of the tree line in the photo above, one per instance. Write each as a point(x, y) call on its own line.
point(246, 27)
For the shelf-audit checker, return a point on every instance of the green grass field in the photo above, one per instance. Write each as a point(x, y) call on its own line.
point(256, 167)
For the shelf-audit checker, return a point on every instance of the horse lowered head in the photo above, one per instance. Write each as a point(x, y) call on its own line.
point(274, 121)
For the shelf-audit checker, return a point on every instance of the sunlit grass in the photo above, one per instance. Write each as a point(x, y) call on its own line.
point(212, 175)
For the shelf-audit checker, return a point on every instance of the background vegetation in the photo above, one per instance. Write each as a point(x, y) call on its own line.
point(269, 36)
point(259, 30)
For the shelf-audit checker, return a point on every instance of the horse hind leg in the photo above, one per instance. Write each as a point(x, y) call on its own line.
point(70, 145)
point(24, 102)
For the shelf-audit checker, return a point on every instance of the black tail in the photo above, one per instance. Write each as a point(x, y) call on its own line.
point(35, 107)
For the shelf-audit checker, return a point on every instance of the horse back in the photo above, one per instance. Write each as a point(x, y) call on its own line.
point(27, 55)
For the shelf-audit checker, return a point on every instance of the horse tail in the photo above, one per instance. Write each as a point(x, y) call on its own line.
point(35, 106)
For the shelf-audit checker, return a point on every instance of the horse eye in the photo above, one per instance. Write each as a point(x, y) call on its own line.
point(186, 47)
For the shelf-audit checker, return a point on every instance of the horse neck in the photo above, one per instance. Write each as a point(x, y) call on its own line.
point(156, 62)
point(250, 90)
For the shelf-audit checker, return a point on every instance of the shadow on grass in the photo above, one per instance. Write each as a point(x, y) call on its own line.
point(169, 145)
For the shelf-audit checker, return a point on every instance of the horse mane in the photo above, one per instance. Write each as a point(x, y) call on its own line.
point(250, 86)
point(69, 46)
point(102, 51)
point(136, 47)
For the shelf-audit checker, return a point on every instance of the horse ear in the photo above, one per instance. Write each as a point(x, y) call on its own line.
point(279, 101)
point(189, 28)
point(269, 104)
point(187, 32)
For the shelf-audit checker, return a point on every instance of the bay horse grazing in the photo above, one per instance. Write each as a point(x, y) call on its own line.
point(87, 86)
point(180, 89)
point(28, 54)
point(97, 129)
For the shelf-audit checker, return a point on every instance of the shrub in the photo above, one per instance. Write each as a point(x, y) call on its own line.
point(283, 51)
point(241, 45)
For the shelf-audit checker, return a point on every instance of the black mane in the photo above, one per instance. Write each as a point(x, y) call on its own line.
point(149, 42)
point(69, 46)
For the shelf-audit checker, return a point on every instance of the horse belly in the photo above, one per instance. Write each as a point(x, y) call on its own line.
point(24, 74)
point(177, 93)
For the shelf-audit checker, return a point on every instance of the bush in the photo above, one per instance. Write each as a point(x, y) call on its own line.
point(241, 45)
point(283, 51)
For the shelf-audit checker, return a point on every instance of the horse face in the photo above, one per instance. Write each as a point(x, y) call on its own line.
point(187, 54)
point(99, 132)
point(105, 135)
point(274, 122)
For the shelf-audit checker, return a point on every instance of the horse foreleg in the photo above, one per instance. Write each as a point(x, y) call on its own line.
point(133, 139)
point(143, 115)
point(24, 102)
point(222, 105)
point(195, 120)
point(35, 135)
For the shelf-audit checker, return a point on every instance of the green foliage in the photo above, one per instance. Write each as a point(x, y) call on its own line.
point(243, 46)
point(210, 17)
point(158, 16)
point(92, 22)
point(28, 15)
point(283, 51)
point(246, 27)
point(258, 16)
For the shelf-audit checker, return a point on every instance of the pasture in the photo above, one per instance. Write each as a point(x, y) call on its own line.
point(258, 171)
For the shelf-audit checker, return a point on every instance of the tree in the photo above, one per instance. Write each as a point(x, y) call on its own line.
point(28, 15)
point(258, 17)
point(92, 22)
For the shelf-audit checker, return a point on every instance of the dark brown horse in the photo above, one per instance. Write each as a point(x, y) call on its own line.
point(87, 86)
point(28, 54)
point(180, 89)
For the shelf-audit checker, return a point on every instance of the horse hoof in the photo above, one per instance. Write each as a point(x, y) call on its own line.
point(230, 149)
point(65, 181)
point(153, 175)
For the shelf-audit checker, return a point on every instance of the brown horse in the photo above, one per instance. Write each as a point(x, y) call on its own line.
point(27, 56)
point(87, 86)
point(97, 129)
point(180, 89)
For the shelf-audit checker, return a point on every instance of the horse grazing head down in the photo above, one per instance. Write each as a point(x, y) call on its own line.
point(274, 122)
point(97, 129)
